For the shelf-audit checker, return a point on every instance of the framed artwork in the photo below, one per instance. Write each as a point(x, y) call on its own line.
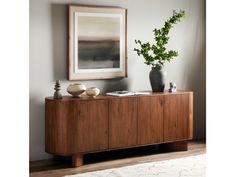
point(97, 42)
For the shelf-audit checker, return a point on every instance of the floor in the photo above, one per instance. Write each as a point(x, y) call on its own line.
point(59, 167)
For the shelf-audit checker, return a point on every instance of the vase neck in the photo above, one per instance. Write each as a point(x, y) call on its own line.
point(157, 68)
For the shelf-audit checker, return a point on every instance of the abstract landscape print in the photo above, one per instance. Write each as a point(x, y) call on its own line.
point(99, 47)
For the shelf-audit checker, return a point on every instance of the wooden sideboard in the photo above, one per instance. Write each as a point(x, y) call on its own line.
point(76, 126)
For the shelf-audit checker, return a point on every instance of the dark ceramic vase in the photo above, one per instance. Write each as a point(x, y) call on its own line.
point(157, 79)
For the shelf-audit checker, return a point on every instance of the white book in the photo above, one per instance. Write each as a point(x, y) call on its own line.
point(126, 93)
point(142, 93)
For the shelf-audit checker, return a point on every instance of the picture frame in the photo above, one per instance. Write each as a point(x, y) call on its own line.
point(97, 42)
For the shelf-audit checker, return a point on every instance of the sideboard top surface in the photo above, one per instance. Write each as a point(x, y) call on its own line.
point(103, 96)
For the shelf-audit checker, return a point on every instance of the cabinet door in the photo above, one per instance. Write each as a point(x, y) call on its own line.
point(90, 126)
point(122, 122)
point(150, 120)
point(176, 115)
point(57, 118)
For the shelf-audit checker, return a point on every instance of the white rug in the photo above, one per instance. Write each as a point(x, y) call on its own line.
point(192, 166)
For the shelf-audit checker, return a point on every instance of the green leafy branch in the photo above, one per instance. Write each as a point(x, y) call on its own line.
point(156, 54)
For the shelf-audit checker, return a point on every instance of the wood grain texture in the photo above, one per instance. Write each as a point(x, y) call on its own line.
point(77, 160)
point(150, 119)
point(176, 115)
point(76, 126)
point(190, 123)
point(57, 121)
point(104, 96)
point(89, 128)
point(122, 122)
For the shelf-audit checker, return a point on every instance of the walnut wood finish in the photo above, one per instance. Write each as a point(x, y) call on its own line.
point(190, 120)
point(77, 160)
point(104, 97)
point(76, 126)
point(150, 120)
point(122, 122)
point(89, 127)
point(57, 126)
point(176, 115)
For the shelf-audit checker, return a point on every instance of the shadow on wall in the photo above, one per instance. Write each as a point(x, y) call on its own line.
point(199, 85)
point(36, 113)
point(197, 82)
point(60, 36)
point(115, 85)
point(59, 21)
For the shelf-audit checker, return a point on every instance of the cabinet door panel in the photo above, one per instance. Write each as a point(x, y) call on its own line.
point(56, 126)
point(90, 126)
point(150, 120)
point(176, 115)
point(122, 122)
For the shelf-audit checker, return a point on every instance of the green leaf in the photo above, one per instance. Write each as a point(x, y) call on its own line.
point(158, 50)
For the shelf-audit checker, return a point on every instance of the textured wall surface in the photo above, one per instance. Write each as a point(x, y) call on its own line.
point(48, 55)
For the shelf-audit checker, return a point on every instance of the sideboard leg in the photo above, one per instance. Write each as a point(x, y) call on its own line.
point(77, 160)
point(175, 146)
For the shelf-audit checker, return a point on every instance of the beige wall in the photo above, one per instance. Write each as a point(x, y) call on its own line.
point(48, 55)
